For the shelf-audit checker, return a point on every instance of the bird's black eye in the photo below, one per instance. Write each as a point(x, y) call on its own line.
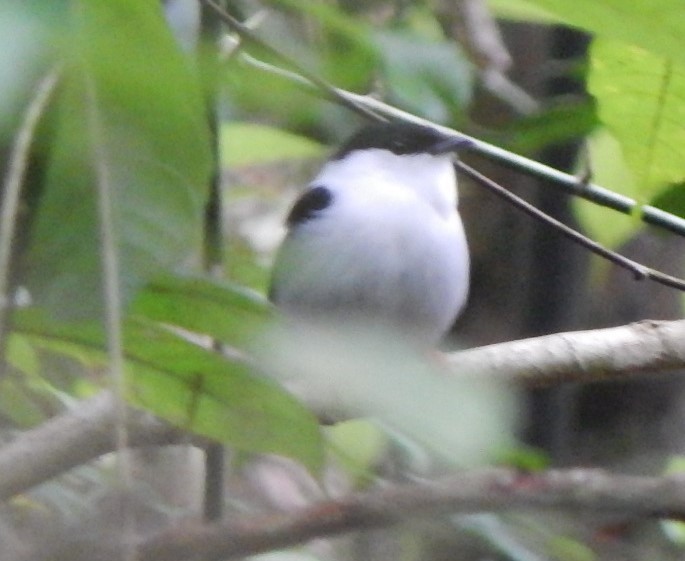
point(309, 205)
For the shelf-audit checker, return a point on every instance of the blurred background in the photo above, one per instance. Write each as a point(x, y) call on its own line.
point(510, 74)
point(528, 76)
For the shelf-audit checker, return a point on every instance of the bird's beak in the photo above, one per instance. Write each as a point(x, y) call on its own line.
point(451, 144)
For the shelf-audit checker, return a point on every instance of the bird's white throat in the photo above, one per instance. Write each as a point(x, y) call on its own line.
point(428, 177)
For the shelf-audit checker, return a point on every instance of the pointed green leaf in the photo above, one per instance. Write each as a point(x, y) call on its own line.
point(225, 311)
point(130, 112)
point(192, 387)
point(640, 100)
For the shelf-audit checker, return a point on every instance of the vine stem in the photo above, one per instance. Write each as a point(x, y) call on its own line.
point(11, 190)
point(111, 288)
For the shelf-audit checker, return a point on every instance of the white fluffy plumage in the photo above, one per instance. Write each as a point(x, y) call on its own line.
point(377, 238)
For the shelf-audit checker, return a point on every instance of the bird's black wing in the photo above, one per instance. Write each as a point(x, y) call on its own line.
point(307, 207)
point(311, 203)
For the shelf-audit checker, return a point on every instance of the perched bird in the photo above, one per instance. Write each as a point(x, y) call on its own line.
point(376, 239)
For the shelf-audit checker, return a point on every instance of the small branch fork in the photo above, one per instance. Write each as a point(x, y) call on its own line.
point(376, 110)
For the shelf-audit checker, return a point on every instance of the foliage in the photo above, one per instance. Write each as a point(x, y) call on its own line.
point(131, 112)
point(636, 69)
point(137, 123)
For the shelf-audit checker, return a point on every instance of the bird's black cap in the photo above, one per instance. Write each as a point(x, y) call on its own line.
point(402, 138)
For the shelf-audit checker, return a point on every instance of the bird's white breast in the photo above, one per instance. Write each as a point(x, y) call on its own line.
point(390, 247)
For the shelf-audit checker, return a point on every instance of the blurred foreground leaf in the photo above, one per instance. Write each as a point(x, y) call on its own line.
point(26, 47)
point(227, 312)
point(190, 386)
point(131, 113)
point(351, 370)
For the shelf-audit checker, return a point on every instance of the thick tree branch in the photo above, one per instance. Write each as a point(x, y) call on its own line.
point(646, 347)
point(579, 491)
point(86, 432)
point(71, 439)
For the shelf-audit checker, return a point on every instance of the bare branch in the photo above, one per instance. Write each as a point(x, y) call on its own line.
point(577, 491)
point(471, 23)
point(72, 439)
point(646, 347)
point(86, 432)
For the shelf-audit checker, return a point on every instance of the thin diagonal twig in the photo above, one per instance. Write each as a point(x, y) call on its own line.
point(639, 271)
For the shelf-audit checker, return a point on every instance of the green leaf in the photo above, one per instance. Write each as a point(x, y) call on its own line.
point(655, 25)
point(564, 548)
point(26, 45)
point(525, 458)
point(640, 100)
point(192, 387)
point(130, 112)
point(225, 311)
point(358, 444)
point(674, 529)
point(245, 144)
point(17, 403)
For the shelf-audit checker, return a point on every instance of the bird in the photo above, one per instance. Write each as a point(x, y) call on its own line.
point(376, 240)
